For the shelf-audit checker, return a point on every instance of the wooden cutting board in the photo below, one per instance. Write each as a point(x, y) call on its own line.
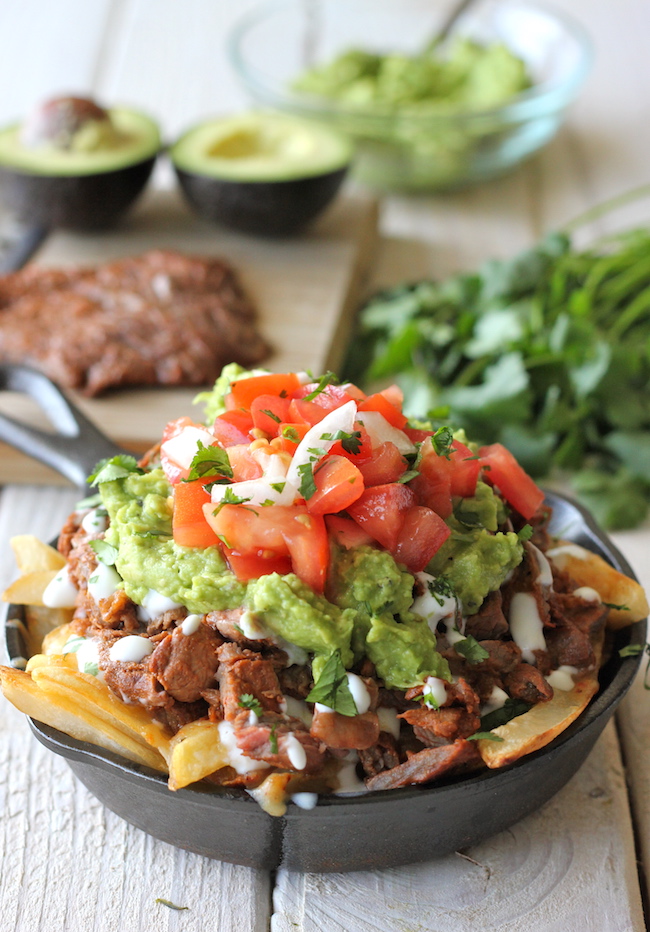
point(305, 288)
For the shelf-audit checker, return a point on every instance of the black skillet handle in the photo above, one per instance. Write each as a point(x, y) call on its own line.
point(75, 446)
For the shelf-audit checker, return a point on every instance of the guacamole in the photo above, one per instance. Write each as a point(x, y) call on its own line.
point(366, 610)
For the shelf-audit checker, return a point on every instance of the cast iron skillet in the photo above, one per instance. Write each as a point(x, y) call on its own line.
point(375, 830)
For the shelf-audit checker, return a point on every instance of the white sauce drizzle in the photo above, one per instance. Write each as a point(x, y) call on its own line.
point(103, 582)
point(236, 758)
point(545, 577)
point(60, 592)
point(388, 721)
point(305, 800)
point(559, 553)
point(526, 625)
point(191, 624)
point(434, 692)
point(132, 647)
point(428, 606)
point(359, 692)
point(154, 604)
point(295, 752)
point(88, 656)
point(95, 521)
point(562, 678)
point(347, 778)
point(496, 701)
point(587, 593)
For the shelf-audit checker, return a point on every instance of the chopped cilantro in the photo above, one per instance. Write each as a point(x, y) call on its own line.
point(73, 644)
point(114, 467)
point(92, 669)
point(273, 739)
point(291, 434)
point(329, 378)
point(471, 650)
point(442, 441)
point(248, 701)
point(105, 553)
point(525, 533)
point(351, 442)
point(307, 484)
point(332, 688)
point(209, 461)
point(441, 589)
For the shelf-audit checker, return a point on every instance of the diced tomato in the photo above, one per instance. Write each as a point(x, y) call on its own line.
point(346, 532)
point(465, 467)
point(379, 402)
point(420, 537)
point(189, 526)
point(386, 465)
point(362, 445)
point(254, 565)
point(284, 529)
point(233, 427)
point(313, 410)
point(432, 485)
point(502, 470)
point(380, 511)
point(354, 391)
point(243, 463)
point(417, 435)
point(268, 412)
point(244, 391)
point(289, 436)
point(338, 482)
point(394, 394)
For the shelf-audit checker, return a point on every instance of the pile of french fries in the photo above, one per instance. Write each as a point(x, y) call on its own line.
point(52, 690)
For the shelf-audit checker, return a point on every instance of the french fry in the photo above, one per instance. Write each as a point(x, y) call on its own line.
point(195, 751)
point(32, 555)
point(626, 597)
point(54, 640)
point(41, 621)
point(537, 727)
point(88, 693)
point(29, 588)
point(24, 693)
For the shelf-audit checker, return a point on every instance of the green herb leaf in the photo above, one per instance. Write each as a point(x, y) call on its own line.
point(248, 701)
point(332, 688)
point(273, 739)
point(442, 441)
point(484, 736)
point(471, 650)
point(115, 467)
point(329, 378)
point(441, 589)
point(92, 669)
point(351, 442)
point(307, 484)
point(73, 644)
point(230, 498)
point(290, 433)
point(92, 501)
point(510, 709)
point(525, 533)
point(209, 461)
point(106, 553)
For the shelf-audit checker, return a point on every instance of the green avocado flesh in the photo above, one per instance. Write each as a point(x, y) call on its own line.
point(136, 138)
point(261, 147)
point(366, 610)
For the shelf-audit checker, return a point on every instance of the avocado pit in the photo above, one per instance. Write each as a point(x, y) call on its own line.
point(75, 164)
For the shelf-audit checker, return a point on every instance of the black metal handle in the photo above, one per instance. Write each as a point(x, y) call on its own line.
point(77, 446)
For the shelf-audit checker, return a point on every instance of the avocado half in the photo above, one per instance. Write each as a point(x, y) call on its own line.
point(261, 173)
point(90, 190)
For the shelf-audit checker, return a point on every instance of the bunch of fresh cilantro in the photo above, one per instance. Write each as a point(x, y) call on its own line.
point(548, 353)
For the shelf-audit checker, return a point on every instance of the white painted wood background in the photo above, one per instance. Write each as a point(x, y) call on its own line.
point(65, 862)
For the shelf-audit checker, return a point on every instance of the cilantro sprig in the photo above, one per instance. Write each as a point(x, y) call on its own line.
point(208, 462)
point(332, 688)
point(546, 352)
point(114, 467)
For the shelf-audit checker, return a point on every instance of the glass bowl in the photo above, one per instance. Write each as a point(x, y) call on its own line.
point(404, 148)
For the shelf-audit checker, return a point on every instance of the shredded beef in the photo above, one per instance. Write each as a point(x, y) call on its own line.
point(426, 765)
point(185, 664)
point(268, 740)
point(345, 731)
point(489, 623)
point(243, 672)
point(527, 682)
point(440, 726)
point(381, 756)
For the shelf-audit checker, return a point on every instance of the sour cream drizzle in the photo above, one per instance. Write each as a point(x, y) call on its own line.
point(60, 592)
point(236, 759)
point(132, 647)
point(154, 604)
point(103, 582)
point(295, 752)
point(526, 625)
point(191, 624)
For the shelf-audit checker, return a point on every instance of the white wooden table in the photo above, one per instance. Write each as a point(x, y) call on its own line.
point(582, 862)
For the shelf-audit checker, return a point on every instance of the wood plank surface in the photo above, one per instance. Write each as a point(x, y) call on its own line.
point(305, 289)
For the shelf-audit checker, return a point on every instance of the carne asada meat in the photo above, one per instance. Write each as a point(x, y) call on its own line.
point(161, 318)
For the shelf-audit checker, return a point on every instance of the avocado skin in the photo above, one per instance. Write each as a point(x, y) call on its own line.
point(74, 202)
point(263, 208)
